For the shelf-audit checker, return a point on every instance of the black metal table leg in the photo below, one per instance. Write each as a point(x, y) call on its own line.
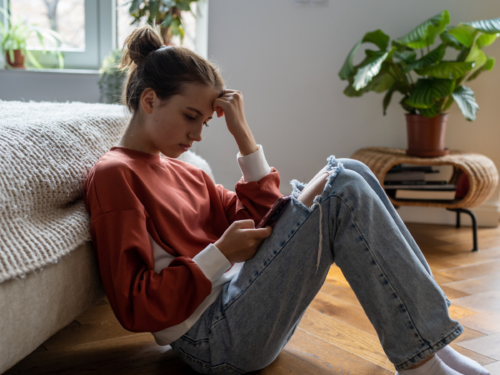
point(474, 223)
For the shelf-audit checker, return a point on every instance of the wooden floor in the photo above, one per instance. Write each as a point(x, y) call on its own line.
point(334, 336)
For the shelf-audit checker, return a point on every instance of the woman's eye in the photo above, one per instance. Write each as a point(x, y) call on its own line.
point(194, 118)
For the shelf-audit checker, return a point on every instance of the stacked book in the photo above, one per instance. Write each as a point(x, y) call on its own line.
point(420, 182)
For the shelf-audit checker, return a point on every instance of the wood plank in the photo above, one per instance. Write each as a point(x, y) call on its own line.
point(468, 334)
point(488, 323)
point(75, 334)
point(478, 285)
point(494, 368)
point(479, 358)
point(292, 363)
point(99, 314)
point(340, 291)
point(337, 359)
point(441, 278)
point(438, 263)
point(345, 336)
point(343, 311)
point(474, 257)
point(473, 271)
point(487, 345)
point(457, 312)
point(128, 355)
point(335, 274)
point(481, 302)
point(453, 293)
point(41, 348)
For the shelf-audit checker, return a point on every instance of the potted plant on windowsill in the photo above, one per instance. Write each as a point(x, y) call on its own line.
point(429, 84)
point(13, 40)
point(166, 13)
point(112, 78)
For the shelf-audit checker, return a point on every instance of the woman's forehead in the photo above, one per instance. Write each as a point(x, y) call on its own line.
point(200, 95)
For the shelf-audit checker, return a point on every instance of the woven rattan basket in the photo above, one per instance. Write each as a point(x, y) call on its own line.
point(480, 170)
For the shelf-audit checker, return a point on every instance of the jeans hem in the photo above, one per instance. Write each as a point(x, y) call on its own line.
point(429, 351)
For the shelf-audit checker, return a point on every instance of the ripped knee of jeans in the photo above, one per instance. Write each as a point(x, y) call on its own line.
point(333, 167)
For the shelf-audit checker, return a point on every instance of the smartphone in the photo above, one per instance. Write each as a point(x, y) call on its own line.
point(275, 212)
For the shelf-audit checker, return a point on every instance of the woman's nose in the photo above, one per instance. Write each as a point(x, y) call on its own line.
point(196, 135)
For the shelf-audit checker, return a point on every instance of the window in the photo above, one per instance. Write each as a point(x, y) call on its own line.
point(93, 28)
point(89, 27)
point(65, 17)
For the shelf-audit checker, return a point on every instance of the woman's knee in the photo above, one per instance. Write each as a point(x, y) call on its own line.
point(355, 165)
point(362, 169)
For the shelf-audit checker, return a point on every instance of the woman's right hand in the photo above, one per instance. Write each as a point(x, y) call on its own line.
point(241, 240)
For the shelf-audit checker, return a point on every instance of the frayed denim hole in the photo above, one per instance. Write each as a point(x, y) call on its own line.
point(333, 168)
point(301, 205)
point(297, 188)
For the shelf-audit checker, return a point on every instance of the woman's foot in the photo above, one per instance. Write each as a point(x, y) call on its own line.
point(461, 363)
point(434, 366)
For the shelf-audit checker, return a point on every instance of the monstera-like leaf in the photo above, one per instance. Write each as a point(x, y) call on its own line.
point(488, 65)
point(428, 91)
point(447, 69)
point(432, 57)
point(464, 34)
point(369, 70)
point(466, 101)
point(491, 26)
point(376, 37)
point(424, 34)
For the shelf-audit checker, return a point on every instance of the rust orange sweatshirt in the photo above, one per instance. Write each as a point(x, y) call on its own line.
point(153, 224)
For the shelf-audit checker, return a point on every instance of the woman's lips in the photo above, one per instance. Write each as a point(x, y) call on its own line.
point(184, 147)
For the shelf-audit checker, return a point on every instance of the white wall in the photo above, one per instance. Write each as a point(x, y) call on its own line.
point(285, 59)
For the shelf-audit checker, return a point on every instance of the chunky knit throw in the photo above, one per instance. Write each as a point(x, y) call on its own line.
point(46, 152)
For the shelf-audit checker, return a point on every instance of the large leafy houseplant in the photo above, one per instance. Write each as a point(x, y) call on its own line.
point(13, 41)
point(414, 65)
point(166, 13)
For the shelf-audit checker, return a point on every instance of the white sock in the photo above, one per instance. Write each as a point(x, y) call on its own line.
point(461, 363)
point(434, 366)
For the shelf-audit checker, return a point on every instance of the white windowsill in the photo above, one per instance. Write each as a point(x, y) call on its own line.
point(57, 71)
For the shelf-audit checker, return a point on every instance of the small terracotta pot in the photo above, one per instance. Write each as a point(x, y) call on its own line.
point(18, 62)
point(426, 135)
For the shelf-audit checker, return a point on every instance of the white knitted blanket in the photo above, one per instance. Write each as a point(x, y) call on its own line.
point(46, 152)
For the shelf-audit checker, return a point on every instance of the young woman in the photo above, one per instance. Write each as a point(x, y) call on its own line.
point(180, 256)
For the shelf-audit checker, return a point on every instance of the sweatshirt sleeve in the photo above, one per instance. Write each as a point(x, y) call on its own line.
point(256, 191)
point(143, 300)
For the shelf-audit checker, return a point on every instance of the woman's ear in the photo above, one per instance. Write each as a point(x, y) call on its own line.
point(148, 100)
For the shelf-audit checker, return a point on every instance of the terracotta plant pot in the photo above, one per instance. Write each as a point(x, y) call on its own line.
point(426, 135)
point(18, 62)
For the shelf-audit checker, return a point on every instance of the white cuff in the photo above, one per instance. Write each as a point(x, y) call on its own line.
point(253, 166)
point(212, 262)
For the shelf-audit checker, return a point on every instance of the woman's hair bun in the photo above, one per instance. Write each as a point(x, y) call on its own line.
point(139, 44)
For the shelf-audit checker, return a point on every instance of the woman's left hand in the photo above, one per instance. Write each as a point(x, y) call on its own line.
point(230, 105)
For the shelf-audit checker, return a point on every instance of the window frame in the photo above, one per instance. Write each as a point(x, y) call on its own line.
point(101, 35)
point(100, 38)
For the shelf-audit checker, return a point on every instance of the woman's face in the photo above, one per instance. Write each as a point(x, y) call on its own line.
point(173, 126)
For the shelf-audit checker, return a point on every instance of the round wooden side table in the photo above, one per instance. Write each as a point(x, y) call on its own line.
point(480, 170)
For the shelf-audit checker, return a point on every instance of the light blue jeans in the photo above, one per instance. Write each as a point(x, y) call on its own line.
point(259, 310)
